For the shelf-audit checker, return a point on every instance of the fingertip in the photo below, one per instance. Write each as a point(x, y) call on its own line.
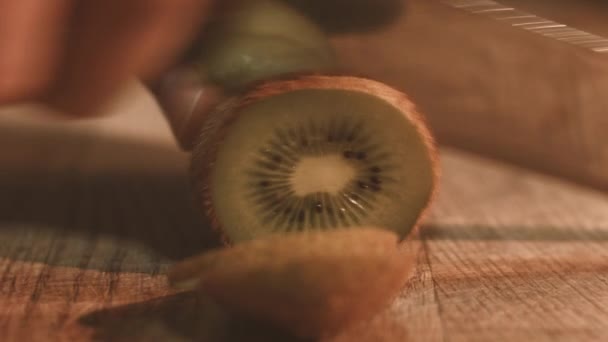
point(19, 87)
point(186, 100)
point(108, 46)
point(78, 100)
point(31, 37)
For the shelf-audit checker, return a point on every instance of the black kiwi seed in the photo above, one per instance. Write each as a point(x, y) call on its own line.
point(292, 135)
point(375, 169)
point(348, 154)
point(342, 131)
point(375, 180)
point(330, 132)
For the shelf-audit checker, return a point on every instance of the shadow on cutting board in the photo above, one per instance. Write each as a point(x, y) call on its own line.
point(511, 233)
point(181, 317)
point(65, 194)
point(189, 316)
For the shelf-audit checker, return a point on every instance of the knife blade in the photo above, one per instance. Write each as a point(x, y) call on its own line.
point(533, 23)
point(491, 79)
point(497, 81)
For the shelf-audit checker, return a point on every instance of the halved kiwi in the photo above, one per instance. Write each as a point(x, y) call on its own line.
point(253, 40)
point(314, 153)
point(239, 60)
point(311, 284)
point(268, 18)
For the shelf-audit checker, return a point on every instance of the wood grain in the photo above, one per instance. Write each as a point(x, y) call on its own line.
point(92, 214)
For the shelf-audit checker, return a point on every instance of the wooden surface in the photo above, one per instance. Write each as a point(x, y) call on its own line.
point(92, 213)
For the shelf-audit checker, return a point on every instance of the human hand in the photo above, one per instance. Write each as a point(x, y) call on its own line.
point(75, 54)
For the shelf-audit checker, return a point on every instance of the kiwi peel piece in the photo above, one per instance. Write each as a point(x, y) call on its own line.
point(311, 283)
point(315, 153)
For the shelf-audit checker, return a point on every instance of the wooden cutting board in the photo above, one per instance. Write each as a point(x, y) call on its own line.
point(92, 214)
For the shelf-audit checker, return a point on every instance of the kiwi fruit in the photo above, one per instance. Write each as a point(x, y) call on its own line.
point(246, 41)
point(268, 18)
point(284, 149)
point(311, 178)
point(245, 58)
point(311, 284)
point(314, 153)
point(253, 40)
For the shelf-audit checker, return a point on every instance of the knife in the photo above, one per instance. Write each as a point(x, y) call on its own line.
point(497, 81)
point(490, 78)
point(533, 23)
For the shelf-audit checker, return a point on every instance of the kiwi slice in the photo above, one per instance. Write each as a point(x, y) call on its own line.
point(314, 153)
point(254, 40)
point(311, 284)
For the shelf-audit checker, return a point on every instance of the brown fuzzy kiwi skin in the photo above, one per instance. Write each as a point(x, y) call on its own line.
point(312, 284)
point(219, 120)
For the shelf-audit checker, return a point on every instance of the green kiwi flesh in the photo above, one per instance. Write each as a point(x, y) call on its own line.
point(271, 18)
point(318, 158)
point(258, 40)
point(244, 59)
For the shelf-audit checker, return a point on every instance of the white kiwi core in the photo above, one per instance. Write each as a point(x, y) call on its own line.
point(328, 174)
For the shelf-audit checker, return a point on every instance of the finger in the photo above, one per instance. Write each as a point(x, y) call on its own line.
point(186, 100)
point(31, 38)
point(113, 40)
